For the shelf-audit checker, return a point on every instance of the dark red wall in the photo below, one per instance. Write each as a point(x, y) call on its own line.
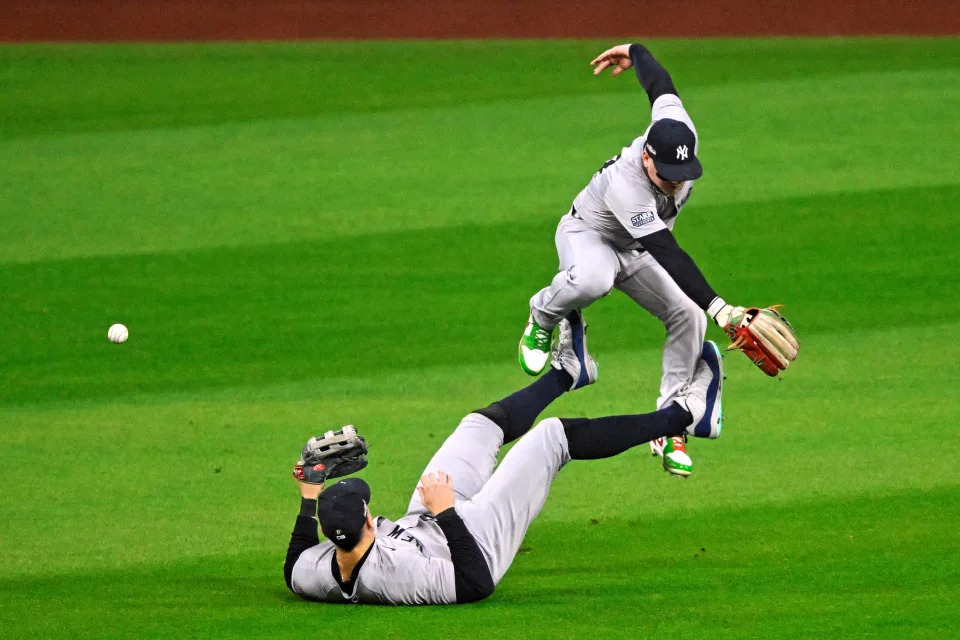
point(111, 20)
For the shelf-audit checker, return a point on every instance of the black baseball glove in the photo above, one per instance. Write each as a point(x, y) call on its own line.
point(336, 454)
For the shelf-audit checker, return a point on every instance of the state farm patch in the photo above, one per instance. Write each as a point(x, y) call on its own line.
point(642, 218)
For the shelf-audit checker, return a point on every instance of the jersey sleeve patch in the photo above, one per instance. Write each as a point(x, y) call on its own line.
point(642, 218)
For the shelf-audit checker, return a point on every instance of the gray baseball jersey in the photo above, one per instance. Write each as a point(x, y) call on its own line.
point(410, 561)
point(408, 564)
point(620, 202)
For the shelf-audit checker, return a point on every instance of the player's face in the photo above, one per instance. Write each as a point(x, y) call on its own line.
point(669, 187)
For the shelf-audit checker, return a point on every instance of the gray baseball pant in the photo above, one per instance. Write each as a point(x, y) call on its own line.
point(590, 267)
point(498, 506)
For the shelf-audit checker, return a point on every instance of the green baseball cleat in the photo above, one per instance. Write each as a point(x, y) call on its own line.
point(534, 350)
point(675, 458)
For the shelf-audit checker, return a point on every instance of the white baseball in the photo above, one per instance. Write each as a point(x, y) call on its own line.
point(118, 333)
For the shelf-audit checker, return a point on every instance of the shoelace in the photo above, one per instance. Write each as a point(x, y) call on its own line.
point(541, 339)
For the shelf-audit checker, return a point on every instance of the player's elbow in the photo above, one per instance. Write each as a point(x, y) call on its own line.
point(473, 582)
point(476, 592)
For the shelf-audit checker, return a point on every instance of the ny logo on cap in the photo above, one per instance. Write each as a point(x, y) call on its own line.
point(682, 152)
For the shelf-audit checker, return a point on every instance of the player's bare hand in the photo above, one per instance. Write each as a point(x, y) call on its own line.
point(436, 491)
point(617, 57)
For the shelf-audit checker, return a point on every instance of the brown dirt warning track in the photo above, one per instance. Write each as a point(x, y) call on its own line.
point(179, 20)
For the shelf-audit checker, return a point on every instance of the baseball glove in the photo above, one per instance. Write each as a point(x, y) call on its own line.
point(336, 454)
point(765, 336)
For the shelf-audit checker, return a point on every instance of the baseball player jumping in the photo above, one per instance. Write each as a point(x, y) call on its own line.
point(465, 521)
point(618, 233)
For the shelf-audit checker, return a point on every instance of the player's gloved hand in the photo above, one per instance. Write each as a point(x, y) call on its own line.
point(764, 335)
point(335, 454)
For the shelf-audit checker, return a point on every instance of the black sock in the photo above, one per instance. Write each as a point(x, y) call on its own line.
point(515, 413)
point(593, 438)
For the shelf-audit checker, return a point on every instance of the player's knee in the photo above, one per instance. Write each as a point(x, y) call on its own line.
point(591, 282)
point(495, 413)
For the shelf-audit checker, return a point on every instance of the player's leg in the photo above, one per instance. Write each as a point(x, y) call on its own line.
point(652, 288)
point(470, 453)
point(499, 515)
point(588, 269)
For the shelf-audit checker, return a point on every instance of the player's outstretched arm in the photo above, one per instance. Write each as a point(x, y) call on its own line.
point(678, 264)
point(764, 335)
point(654, 79)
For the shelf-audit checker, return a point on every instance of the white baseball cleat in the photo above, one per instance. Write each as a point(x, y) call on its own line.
point(702, 397)
point(675, 457)
point(676, 460)
point(570, 351)
point(534, 348)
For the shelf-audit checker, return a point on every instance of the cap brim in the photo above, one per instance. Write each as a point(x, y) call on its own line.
point(679, 172)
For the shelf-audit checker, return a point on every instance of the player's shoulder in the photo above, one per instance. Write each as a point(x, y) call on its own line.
point(630, 184)
point(312, 574)
point(666, 101)
point(670, 106)
point(317, 551)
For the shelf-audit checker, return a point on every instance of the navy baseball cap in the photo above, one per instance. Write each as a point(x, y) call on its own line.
point(671, 143)
point(342, 511)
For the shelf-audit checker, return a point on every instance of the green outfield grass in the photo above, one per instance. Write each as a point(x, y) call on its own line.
point(305, 235)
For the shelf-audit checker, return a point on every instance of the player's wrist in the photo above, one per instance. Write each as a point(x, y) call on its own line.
point(309, 490)
point(437, 509)
point(448, 512)
point(308, 507)
point(719, 310)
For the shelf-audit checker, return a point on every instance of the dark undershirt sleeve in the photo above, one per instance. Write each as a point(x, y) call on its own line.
point(651, 74)
point(303, 537)
point(680, 266)
point(470, 571)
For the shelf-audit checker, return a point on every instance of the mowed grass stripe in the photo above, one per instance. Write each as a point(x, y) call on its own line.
point(354, 174)
point(838, 429)
point(748, 574)
point(222, 317)
point(52, 89)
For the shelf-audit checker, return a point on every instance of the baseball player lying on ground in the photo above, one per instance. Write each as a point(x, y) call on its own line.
point(618, 234)
point(466, 521)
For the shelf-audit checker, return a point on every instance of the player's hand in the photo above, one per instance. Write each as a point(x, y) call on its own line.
point(436, 491)
point(722, 315)
point(617, 57)
point(309, 491)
